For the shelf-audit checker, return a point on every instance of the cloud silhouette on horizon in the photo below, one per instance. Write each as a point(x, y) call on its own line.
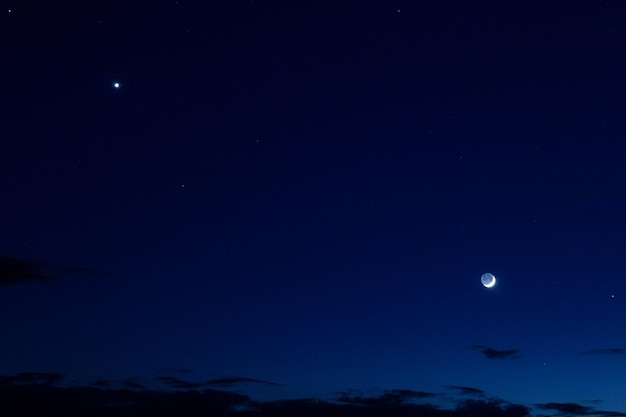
point(387, 397)
point(574, 409)
point(491, 353)
point(492, 408)
point(613, 351)
point(45, 378)
point(129, 383)
point(36, 393)
point(102, 382)
point(17, 271)
point(178, 383)
point(311, 407)
point(567, 408)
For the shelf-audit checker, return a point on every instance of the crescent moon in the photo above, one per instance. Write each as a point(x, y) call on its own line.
point(488, 280)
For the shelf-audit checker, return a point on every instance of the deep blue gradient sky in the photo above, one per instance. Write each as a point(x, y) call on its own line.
point(308, 194)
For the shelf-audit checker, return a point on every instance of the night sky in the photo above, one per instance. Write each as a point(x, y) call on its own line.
point(286, 201)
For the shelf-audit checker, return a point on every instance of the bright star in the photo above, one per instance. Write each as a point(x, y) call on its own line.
point(116, 85)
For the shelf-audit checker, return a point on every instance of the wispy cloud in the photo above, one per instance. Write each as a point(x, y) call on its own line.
point(178, 383)
point(467, 390)
point(613, 351)
point(491, 353)
point(128, 383)
point(239, 380)
point(16, 271)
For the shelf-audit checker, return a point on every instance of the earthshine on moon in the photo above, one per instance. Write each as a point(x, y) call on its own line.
point(488, 280)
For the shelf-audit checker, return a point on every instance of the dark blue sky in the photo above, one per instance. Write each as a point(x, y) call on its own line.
point(308, 194)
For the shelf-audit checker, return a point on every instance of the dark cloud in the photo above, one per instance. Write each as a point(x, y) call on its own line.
point(133, 385)
point(614, 351)
point(574, 409)
point(101, 382)
point(179, 383)
point(467, 390)
point(570, 409)
point(16, 271)
point(491, 353)
point(239, 380)
point(47, 378)
point(36, 393)
point(491, 408)
point(311, 407)
point(43, 398)
point(321, 408)
point(388, 397)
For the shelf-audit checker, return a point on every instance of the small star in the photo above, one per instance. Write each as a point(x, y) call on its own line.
point(116, 85)
point(182, 186)
point(10, 11)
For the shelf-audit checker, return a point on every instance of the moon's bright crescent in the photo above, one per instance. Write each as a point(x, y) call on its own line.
point(488, 280)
